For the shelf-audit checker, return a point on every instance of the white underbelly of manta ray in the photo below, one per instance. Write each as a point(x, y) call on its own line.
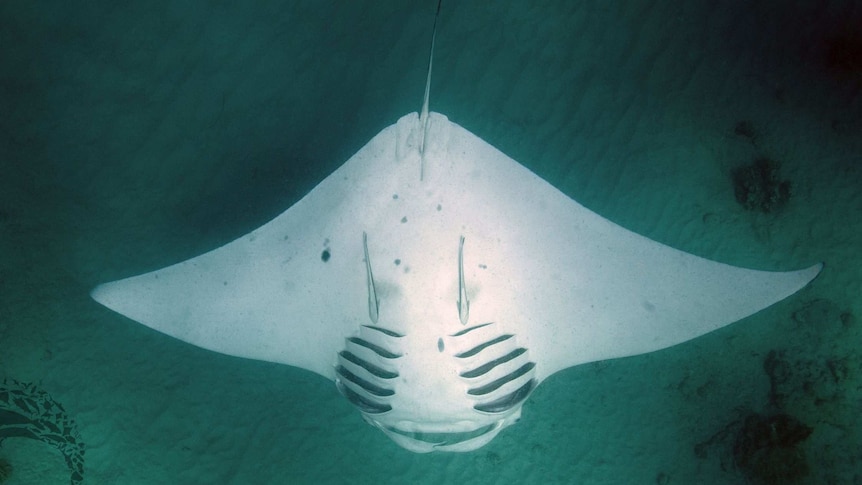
point(438, 282)
point(547, 284)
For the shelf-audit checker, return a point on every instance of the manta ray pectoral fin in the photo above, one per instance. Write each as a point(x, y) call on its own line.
point(291, 290)
point(574, 286)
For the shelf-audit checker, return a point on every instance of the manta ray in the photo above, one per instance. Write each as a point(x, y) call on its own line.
point(437, 282)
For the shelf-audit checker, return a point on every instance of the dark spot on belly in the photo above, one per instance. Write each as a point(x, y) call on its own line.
point(403, 219)
point(397, 262)
point(325, 255)
point(440, 344)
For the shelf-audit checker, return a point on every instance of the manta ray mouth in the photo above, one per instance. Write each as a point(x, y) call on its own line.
point(443, 439)
point(425, 441)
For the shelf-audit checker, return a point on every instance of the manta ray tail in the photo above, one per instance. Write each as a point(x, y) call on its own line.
point(423, 114)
